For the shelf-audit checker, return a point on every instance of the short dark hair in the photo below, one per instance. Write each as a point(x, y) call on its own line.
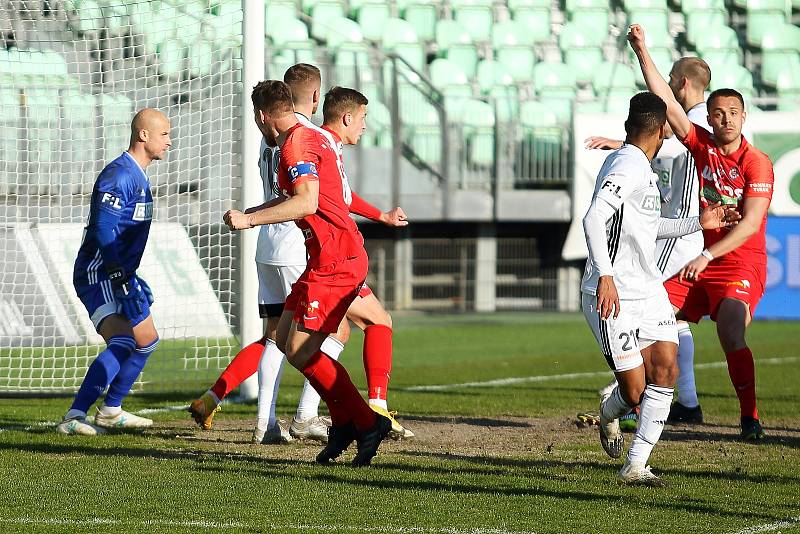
point(273, 97)
point(647, 114)
point(725, 92)
point(693, 69)
point(302, 78)
point(341, 100)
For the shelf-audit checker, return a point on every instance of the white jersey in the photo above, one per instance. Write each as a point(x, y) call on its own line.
point(627, 183)
point(281, 243)
point(680, 197)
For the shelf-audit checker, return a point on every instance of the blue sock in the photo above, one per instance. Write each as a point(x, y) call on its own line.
point(127, 375)
point(102, 371)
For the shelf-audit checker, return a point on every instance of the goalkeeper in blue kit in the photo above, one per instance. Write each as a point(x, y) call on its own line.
point(117, 300)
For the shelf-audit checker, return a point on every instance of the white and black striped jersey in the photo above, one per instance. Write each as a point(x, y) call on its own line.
point(680, 197)
point(281, 243)
point(626, 183)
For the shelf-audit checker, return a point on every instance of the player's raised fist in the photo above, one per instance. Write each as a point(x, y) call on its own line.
point(236, 220)
point(395, 217)
point(636, 36)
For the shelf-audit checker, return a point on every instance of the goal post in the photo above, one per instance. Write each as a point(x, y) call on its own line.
point(72, 73)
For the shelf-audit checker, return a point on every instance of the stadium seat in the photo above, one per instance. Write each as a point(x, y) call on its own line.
point(763, 5)
point(90, 18)
point(455, 97)
point(513, 5)
point(536, 20)
point(510, 33)
point(722, 37)
point(778, 63)
point(574, 5)
point(461, 3)
point(353, 67)
point(299, 51)
point(519, 60)
point(722, 58)
point(492, 73)
point(687, 6)
point(761, 23)
point(445, 72)
point(784, 37)
point(737, 77)
point(575, 36)
point(596, 19)
point(644, 4)
point(542, 140)
point(422, 17)
point(78, 112)
point(372, 18)
point(322, 16)
point(549, 75)
point(583, 61)
point(379, 124)
point(613, 78)
point(478, 122)
point(341, 31)
point(43, 139)
point(450, 32)
point(349, 54)
point(201, 56)
point(412, 53)
point(398, 31)
point(703, 22)
point(477, 20)
point(290, 30)
point(466, 56)
point(171, 56)
point(661, 56)
point(505, 99)
point(652, 20)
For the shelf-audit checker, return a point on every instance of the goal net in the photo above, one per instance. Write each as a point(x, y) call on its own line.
point(72, 74)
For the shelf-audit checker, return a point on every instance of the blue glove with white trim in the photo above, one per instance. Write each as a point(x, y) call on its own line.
point(127, 292)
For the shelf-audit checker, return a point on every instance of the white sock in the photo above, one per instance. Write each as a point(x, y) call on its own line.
point(308, 406)
point(614, 406)
point(262, 423)
point(270, 368)
point(74, 414)
point(380, 403)
point(654, 410)
point(687, 390)
point(110, 410)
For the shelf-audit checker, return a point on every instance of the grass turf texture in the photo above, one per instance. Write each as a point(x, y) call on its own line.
point(487, 459)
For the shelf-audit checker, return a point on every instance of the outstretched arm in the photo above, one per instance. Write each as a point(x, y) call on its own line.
point(304, 202)
point(395, 217)
point(676, 116)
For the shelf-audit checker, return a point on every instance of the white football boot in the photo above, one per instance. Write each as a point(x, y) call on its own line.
point(277, 434)
point(315, 428)
point(611, 437)
point(639, 474)
point(78, 426)
point(122, 419)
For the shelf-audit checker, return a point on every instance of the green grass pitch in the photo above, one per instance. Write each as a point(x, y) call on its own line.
point(487, 458)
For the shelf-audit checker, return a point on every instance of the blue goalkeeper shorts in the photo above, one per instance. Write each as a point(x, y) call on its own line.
point(100, 303)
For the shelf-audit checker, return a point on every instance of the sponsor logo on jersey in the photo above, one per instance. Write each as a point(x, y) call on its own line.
point(110, 200)
point(713, 180)
point(651, 203)
point(612, 188)
point(143, 211)
point(311, 311)
point(668, 322)
point(760, 187)
point(733, 173)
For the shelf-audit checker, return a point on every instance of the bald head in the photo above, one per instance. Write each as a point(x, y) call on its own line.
point(150, 134)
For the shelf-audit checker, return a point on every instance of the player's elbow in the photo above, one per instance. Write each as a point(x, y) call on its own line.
point(309, 206)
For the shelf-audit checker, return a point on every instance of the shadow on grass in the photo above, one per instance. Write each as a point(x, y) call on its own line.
point(466, 420)
point(705, 433)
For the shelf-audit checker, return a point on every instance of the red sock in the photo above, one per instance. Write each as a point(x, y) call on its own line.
point(377, 359)
point(742, 370)
point(242, 366)
point(334, 386)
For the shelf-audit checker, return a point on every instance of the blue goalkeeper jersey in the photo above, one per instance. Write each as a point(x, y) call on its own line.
point(123, 191)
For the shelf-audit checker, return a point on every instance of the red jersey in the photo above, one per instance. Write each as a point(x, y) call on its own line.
point(331, 235)
point(745, 173)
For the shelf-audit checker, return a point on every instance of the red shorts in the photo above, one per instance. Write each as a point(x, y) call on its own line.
point(321, 295)
point(702, 297)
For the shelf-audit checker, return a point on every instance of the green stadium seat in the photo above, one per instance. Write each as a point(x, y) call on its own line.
point(492, 73)
point(687, 6)
point(276, 14)
point(722, 58)
point(596, 19)
point(560, 102)
point(764, 5)
point(372, 18)
point(342, 31)
point(661, 56)
point(77, 112)
point(576, 36)
point(43, 139)
point(723, 37)
point(788, 86)
point(116, 19)
point(308, 5)
point(575, 5)
point(477, 20)
point(349, 54)
point(322, 16)
point(703, 22)
point(90, 18)
point(466, 56)
point(536, 20)
point(583, 62)
point(478, 123)
point(761, 23)
point(519, 60)
point(510, 33)
point(449, 33)
point(413, 53)
point(299, 51)
point(784, 37)
point(353, 67)
point(506, 102)
point(455, 97)
point(644, 4)
point(171, 56)
point(542, 139)
point(398, 31)
point(651, 20)
point(290, 30)
point(776, 64)
point(549, 75)
point(513, 5)
point(736, 77)
point(423, 18)
point(613, 77)
point(201, 58)
point(461, 3)
point(444, 72)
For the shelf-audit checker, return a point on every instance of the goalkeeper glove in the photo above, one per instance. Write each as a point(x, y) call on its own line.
point(148, 293)
point(127, 292)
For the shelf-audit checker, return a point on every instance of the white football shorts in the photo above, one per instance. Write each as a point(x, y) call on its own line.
point(275, 282)
point(640, 323)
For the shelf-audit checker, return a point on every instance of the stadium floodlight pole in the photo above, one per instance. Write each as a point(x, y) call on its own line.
point(250, 327)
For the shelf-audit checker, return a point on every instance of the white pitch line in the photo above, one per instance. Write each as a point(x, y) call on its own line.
point(770, 527)
point(238, 525)
point(567, 376)
point(145, 411)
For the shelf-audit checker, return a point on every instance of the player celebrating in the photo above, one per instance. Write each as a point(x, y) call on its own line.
point(727, 280)
point(623, 300)
point(118, 301)
point(317, 196)
point(680, 196)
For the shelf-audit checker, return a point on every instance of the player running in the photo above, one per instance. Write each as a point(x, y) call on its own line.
point(316, 197)
point(680, 196)
point(727, 280)
point(624, 303)
point(118, 301)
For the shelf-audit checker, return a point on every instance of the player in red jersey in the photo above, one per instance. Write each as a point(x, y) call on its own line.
point(316, 196)
point(728, 279)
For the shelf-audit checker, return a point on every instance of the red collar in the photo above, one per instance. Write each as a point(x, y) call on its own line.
point(334, 134)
